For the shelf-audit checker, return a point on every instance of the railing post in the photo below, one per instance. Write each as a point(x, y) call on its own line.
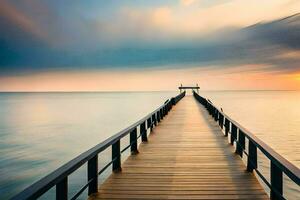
point(233, 133)
point(216, 114)
point(169, 107)
point(149, 124)
point(158, 116)
point(240, 145)
point(93, 175)
point(276, 182)
point(62, 189)
point(173, 101)
point(133, 142)
point(154, 120)
point(116, 156)
point(208, 108)
point(221, 120)
point(143, 132)
point(226, 127)
point(252, 157)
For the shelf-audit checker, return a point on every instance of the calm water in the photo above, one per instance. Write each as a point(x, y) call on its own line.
point(41, 131)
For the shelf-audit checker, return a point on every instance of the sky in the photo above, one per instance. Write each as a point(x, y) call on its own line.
point(98, 45)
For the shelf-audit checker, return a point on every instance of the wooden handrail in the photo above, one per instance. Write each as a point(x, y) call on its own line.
point(59, 177)
point(279, 164)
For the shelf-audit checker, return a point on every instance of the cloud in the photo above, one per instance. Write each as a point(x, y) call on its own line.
point(12, 15)
point(187, 2)
point(257, 44)
point(69, 27)
point(38, 37)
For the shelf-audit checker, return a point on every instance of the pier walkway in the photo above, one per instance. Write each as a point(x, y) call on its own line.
point(186, 157)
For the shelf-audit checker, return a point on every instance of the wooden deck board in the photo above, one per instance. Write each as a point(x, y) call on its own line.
point(186, 157)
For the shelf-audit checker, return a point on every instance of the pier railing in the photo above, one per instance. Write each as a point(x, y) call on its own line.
point(238, 134)
point(59, 177)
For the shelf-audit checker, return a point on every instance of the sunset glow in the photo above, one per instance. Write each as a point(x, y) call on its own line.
point(153, 80)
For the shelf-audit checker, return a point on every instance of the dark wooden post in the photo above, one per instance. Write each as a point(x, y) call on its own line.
point(216, 114)
point(62, 189)
point(240, 146)
point(221, 120)
point(143, 132)
point(276, 182)
point(168, 107)
point(154, 120)
point(233, 133)
point(116, 156)
point(158, 116)
point(173, 101)
point(93, 175)
point(252, 157)
point(133, 141)
point(149, 124)
point(227, 124)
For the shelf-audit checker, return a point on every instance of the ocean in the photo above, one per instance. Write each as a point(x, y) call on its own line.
point(41, 131)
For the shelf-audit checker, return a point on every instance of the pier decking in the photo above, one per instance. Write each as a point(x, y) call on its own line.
point(186, 157)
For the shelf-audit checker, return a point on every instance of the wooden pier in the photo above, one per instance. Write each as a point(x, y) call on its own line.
point(190, 149)
point(186, 157)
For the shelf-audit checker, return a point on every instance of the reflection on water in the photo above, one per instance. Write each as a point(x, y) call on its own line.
point(274, 117)
point(41, 131)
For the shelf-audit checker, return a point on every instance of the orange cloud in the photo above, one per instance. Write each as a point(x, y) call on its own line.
point(176, 20)
point(161, 16)
point(187, 2)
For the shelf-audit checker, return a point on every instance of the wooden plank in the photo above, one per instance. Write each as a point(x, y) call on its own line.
point(186, 157)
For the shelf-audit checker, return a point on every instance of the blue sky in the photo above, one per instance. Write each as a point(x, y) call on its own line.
point(40, 36)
